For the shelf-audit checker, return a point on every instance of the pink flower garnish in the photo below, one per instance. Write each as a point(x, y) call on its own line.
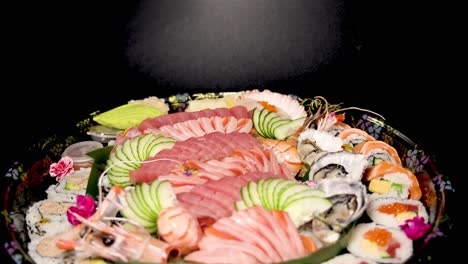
point(62, 168)
point(85, 207)
point(415, 228)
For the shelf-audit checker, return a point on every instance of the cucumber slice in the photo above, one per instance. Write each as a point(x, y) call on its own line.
point(276, 123)
point(265, 195)
point(239, 205)
point(122, 157)
point(261, 123)
point(160, 146)
point(165, 195)
point(134, 148)
point(154, 194)
point(127, 151)
point(302, 210)
point(246, 196)
point(143, 144)
point(145, 200)
point(291, 190)
point(271, 184)
point(256, 121)
point(282, 185)
point(301, 194)
point(260, 186)
point(135, 206)
point(253, 195)
point(283, 131)
point(129, 155)
point(272, 119)
point(129, 213)
point(115, 162)
point(269, 117)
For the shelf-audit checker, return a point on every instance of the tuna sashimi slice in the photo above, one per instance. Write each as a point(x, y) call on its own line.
point(211, 146)
point(218, 194)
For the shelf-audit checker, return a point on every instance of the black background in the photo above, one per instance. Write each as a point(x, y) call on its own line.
point(67, 60)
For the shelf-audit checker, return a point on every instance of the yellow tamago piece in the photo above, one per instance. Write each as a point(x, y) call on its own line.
point(380, 186)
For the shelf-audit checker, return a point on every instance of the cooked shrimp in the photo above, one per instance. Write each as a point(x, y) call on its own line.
point(179, 228)
point(284, 152)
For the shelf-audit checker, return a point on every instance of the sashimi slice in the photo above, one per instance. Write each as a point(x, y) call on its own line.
point(170, 119)
point(249, 232)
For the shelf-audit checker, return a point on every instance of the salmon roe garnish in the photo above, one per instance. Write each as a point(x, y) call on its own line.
point(379, 236)
point(268, 106)
point(397, 208)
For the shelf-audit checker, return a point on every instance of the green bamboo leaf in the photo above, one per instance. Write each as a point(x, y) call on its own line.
point(100, 157)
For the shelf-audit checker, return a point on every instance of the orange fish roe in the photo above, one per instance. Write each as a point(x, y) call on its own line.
point(268, 106)
point(379, 236)
point(397, 208)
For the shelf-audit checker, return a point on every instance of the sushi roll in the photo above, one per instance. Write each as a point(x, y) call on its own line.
point(354, 136)
point(387, 179)
point(376, 151)
point(69, 186)
point(336, 128)
point(380, 243)
point(43, 250)
point(47, 217)
point(393, 212)
point(340, 164)
point(348, 258)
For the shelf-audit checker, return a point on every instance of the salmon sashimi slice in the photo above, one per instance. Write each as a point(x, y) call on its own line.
point(250, 232)
point(170, 119)
point(253, 160)
point(204, 125)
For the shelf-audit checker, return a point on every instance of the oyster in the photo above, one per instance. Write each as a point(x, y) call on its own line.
point(313, 143)
point(340, 164)
point(349, 199)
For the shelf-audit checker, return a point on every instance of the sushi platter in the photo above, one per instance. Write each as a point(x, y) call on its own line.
point(254, 176)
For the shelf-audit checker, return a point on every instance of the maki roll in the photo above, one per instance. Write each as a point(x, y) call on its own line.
point(354, 136)
point(393, 212)
point(380, 243)
point(376, 151)
point(387, 179)
point(47, 217)
point(69, 186)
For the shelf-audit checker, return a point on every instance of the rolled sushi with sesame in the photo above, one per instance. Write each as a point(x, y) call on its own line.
point(380, 243)
point(393, 212)
point(69, 186)
point(47, 217)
